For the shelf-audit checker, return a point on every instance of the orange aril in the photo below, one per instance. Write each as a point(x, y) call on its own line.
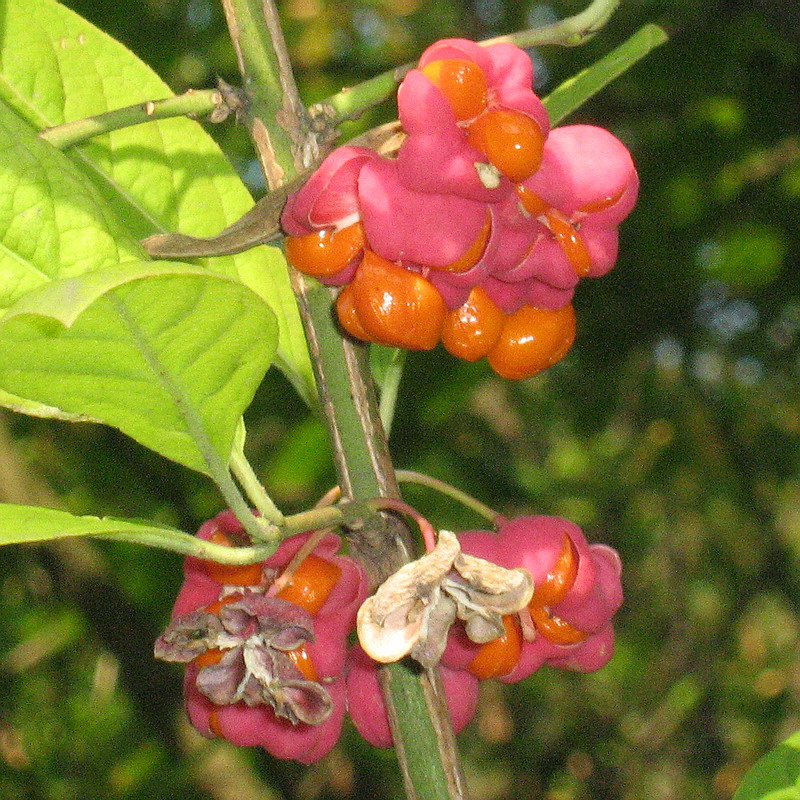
point(554, 629)
point(463, 84)
point(500, 656)
point(530, 201)
point(394, 306)
point(217, 605)
point(473, 253)
point(348, 316)
point(571, 242)
point(511, 140)
point(472, 330)
point(326, 252)
point(302, 660)
point(603, 204)
point(210, 657)
point(532, 340)
point(213, 722)
point(311, 583)
point(551, 591)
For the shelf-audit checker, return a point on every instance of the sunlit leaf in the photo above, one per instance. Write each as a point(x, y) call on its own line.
point(169, 354)
point(53, 222)
point(165, 175)
point(776, 776)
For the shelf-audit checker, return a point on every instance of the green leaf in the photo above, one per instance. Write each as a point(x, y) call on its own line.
point(776, 776)
point(575, 91)
point(162, 176)
point(28, 524)
point(168, 353)
point(386, 365)
point(53, 222)
point(23, 405)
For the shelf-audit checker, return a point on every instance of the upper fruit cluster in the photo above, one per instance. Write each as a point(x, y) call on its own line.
point(478, 232)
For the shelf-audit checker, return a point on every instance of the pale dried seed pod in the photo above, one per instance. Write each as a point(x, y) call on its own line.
point(412, 611)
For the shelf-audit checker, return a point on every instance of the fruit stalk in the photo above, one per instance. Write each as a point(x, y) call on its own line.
point(286, 144)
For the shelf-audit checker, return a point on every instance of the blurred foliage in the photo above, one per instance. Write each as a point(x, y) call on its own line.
point(670, 432)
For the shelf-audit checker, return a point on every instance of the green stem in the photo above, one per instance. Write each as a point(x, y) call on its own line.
point(254, 489)
point(567, 32)
point(352, 102)
point(179, 542)
point(353, 513)
point(192, 102)
point(277, 119)
point(184, 544)
point(467, 500)
point(575, 91)
point(279, 127)
point(423, 736)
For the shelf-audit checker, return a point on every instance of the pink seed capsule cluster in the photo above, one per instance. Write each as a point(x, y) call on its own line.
point(566, 625)
point(477, 233)
point(268, 657)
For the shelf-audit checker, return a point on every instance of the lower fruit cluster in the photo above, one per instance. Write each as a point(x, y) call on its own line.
point(267, 652)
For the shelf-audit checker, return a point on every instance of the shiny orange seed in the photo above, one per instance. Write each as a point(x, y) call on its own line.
point(213, 722)
point(510, 140)
point(531, 201)
point(325, 252)
point(500, 656)
point(217, 605)
point(571, 242)
point(228, 574)
point(348, 316)
point(311, 583)
point(472, 330)
point(474, 252)
point(302, 660)
point(532, 340)
point(210, 657)
point(463, 84)
point(603, 204)
point(395, 306)
point(554, 629)
point(551, 591)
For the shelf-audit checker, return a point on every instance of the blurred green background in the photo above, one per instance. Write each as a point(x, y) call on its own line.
point(671, 432)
